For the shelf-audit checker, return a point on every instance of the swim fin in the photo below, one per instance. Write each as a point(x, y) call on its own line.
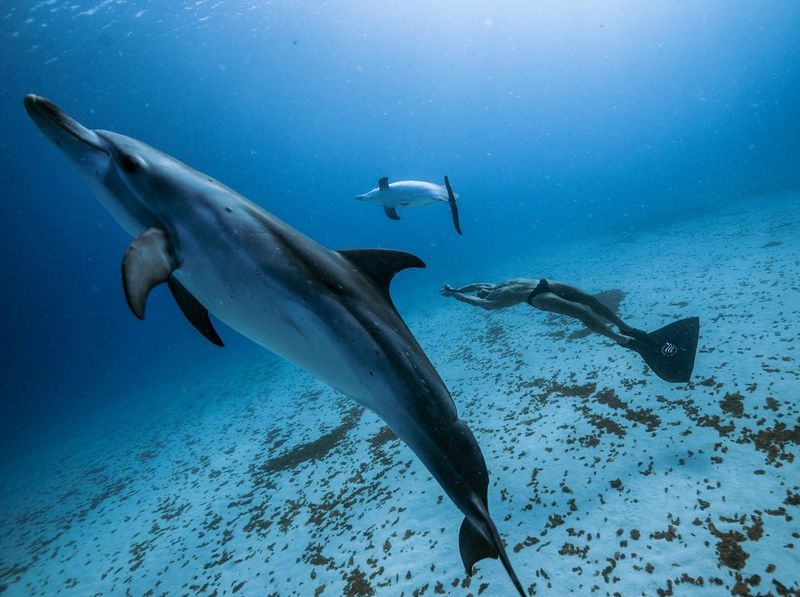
point(451, 199)
point(670, 351)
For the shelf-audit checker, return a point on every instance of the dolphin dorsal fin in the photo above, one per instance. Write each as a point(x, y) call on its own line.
point(148, 262)
point(383, 183)
point(380, 265)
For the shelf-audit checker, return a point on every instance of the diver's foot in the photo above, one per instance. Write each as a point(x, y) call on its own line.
point(631, 344)
point(636, 333)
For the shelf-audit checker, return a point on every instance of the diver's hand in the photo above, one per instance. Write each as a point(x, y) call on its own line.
point(447, 290)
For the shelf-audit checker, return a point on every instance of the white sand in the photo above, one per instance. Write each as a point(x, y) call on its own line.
point(603, 478)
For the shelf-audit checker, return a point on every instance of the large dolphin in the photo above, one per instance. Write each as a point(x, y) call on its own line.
point(329, 312)
point(412, 193)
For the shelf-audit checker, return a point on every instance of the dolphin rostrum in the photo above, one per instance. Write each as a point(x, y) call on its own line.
point(329, 312)
point(412, 193)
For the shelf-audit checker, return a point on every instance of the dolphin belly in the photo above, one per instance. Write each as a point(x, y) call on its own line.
point(272, 318)
point(403, 200)
point(412, 194)
point(297, 320)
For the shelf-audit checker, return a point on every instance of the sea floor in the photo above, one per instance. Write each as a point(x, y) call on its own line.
point(603, 479)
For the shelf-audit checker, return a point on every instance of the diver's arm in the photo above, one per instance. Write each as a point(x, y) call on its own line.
point(448, 290)
point(475, 301)
point(474, 287)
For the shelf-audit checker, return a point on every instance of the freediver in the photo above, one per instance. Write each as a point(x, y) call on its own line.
point(669, 351)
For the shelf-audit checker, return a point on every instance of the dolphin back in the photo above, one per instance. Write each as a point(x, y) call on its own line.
point(449, 450)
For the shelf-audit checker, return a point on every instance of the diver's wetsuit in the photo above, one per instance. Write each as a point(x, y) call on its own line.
point(541, 288)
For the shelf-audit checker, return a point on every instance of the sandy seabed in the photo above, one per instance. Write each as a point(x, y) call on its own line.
point(603, 478)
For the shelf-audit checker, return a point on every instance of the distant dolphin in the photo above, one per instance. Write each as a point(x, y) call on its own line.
point(329, 312)
point(412, 193)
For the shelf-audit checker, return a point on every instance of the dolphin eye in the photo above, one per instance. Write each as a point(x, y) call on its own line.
point(129, 164)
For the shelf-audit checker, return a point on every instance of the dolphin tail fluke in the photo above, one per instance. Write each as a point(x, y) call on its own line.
point(475, 547)
point(451, 199)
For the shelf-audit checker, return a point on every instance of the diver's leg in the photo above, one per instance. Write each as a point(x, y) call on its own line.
point(576, 295)
point(548, 301)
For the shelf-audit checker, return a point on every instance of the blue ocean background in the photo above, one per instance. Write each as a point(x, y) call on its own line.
point(555, 122)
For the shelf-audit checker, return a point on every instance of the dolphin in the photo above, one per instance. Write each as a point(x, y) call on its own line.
point(328, 312)
point(412, 193)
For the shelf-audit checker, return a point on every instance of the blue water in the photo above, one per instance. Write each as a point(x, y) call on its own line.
point(554, 121)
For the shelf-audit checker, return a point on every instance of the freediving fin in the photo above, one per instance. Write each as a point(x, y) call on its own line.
point(391, 212)
point(451, 199)
point(194, 311)
point(148, 262)
point(670, 351)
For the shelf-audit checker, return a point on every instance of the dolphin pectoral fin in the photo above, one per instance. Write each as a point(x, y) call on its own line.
point(391, 212)
point(194, 311)
point(383, 183)
point(148, 262)
point(380, 265)
point(451, 199)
